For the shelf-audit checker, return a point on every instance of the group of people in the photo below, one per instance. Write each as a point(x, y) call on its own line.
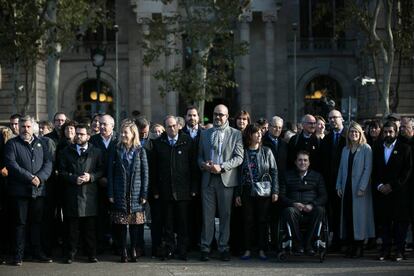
point(67, 180)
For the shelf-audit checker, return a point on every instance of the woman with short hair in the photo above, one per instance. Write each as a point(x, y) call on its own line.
point(258, 165)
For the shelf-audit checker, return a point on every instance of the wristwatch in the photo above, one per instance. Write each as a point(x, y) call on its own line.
point(222, 169)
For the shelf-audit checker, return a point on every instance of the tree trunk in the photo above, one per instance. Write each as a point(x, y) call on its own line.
point(29, 88)
point(201, 69)
point(53, 65)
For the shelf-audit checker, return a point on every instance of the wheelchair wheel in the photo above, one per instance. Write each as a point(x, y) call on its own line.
point(282, 256)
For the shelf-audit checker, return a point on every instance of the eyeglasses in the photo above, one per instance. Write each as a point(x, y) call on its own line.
point(334, 117)
point(310, 123)
point(275, 127)
point(221, 115)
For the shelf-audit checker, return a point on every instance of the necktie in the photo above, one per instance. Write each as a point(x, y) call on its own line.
point(336, 138)
point(82, 150)
point(172, 142)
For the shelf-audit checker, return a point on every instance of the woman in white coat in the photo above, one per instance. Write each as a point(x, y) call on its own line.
point(353, 186)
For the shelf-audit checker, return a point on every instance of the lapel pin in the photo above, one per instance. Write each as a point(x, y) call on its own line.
point(395, 152)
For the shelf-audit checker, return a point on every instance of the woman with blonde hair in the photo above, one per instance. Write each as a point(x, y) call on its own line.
point(353, 186)
point(128, 187)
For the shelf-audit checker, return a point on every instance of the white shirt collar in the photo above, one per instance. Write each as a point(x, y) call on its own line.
point(79, 147)
point(107, 141)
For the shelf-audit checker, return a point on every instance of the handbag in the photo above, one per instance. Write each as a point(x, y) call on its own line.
point(261, 188)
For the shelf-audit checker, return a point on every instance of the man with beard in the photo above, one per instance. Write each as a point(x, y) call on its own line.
point(29, 165)
point(390, 179)
point(330, 152)
point(305, 140)
point(193, 129)
point(220, 152)
point(14, 124)
point(81, 166)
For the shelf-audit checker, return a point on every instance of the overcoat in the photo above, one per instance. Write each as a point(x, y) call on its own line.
point(362, 208)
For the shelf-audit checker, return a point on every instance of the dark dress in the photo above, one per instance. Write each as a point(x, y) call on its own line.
point(347, 203)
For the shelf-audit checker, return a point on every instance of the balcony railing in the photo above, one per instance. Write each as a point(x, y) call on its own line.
point(324, 46)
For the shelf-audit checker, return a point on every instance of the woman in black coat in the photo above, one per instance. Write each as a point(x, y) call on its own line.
point(128, 187)
point(258, 165)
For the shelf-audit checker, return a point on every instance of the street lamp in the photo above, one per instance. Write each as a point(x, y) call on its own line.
point(98, 57)
point(117, 98)
point(295, 100)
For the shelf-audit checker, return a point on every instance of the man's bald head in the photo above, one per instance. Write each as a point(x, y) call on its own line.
point(335, 120)
point(309, 124)
point(106, 125)
point(220, 115)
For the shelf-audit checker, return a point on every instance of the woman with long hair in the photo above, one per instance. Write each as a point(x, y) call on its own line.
point(353, 186)
point(128, 187)
point(258, 165)
point(242, 120)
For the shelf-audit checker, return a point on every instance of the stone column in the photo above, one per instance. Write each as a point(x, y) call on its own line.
point(245, 90)
point(269, 19)
point(145, 74)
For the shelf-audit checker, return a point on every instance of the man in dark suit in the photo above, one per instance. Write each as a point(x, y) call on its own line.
point(390, 179)
point(306, 140)
point(174, 163)
point(330, 157)
point(193, 129)
point(105, 141)
point(58, 120)
point(279, 149)
point(81, 166)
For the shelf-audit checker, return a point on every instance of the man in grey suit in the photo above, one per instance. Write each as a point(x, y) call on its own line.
point(220, 153)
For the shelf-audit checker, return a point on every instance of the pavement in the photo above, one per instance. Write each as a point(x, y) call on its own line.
point(110, 265)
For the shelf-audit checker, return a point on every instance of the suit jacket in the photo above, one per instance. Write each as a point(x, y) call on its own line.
point(297, 143)
point(330, 157)
point(97, 141)
point(280, 152)
point(395, 205)
point(174, 167)
point(232, 155)
point(80, 200)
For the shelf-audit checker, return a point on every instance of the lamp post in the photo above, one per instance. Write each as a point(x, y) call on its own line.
point(117, 98)
point(98, 56)
point(295, 100)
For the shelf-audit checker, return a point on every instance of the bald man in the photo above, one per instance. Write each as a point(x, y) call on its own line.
point(105, 141)
point(330, 156)
point(305, 140)
point(220, 152)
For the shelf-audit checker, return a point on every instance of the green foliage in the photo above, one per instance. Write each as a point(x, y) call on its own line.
point(204, 37)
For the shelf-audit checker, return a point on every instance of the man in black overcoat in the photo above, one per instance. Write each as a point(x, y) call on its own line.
point(390, 179)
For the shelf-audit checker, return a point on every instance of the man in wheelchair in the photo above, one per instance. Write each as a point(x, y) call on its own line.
point(303, 196)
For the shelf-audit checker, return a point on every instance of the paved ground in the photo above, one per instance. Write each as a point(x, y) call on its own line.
point(109, 265)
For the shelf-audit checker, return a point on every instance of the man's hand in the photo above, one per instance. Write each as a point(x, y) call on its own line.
point(360, 193)
point(36, 181)
point(143, 201)
point(206, 166)
point(237, 201)
point(86, 177)
point(385, 189)
point(308, 208)
point(299, 206)
point(111, 200)
point(275, 197)
point(79, 180)
point(215, 169)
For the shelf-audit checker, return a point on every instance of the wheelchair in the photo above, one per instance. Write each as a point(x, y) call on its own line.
point(285, 239)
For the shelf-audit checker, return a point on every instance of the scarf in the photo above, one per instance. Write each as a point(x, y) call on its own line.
point(217, 138)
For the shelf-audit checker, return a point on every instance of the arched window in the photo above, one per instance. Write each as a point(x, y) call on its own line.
point(90, 102)
point(322, 94)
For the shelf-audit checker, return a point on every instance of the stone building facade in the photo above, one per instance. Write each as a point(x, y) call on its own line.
point(294, 66)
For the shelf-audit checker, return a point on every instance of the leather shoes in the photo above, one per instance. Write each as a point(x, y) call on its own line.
point(204, 257)
point(383, 257)
point(92, 260)
point(134, 256)
point(17, 262)
point(124, 256)
point(398, 257)
point(310, 252)
point(225, 256)
point(69, 260)
point(43, 259)
point(298, 251)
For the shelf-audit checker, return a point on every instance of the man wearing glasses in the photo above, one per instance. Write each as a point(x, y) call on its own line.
point(305, 140)
point(220, 153)
point(330, 152)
